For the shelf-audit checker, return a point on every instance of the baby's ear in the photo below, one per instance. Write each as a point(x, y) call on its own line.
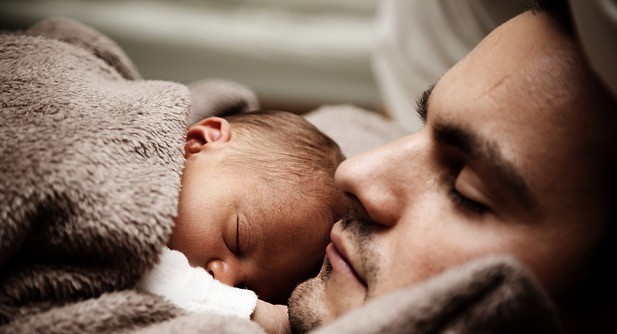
point(208, 131)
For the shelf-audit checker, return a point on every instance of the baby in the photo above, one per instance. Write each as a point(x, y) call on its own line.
point(256, 206)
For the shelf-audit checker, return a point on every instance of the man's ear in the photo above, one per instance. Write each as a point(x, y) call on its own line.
point(210, 130)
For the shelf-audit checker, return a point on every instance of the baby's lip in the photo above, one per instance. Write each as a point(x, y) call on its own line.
point(340, 257)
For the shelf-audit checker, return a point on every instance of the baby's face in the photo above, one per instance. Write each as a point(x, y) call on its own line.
point(244, 232)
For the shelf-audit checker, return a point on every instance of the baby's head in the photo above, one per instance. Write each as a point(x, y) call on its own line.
point(258, 200)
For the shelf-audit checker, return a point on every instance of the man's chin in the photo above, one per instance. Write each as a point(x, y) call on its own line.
point(307, 307)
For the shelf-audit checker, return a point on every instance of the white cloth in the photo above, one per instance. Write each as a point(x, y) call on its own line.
point(419, 40)
point(194, 289)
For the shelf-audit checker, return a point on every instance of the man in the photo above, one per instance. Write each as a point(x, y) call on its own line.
point(516, 156)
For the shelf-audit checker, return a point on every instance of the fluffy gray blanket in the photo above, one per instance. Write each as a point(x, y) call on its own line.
point(91, 158)
point(90, 165)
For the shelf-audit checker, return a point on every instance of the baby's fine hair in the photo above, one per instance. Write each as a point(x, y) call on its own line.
point(284, 142)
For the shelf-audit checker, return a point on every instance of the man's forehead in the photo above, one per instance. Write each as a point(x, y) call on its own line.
point(517, 76)
point(521, 38)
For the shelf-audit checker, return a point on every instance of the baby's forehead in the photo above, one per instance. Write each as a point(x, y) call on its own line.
point(309, 195)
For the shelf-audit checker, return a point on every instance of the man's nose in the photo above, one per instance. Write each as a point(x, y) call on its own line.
point(380, 179)
point(224, 271)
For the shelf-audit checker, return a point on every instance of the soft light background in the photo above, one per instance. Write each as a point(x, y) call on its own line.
point(295, 54)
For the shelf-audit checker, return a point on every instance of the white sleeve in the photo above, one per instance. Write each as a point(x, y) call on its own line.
point(194, 289)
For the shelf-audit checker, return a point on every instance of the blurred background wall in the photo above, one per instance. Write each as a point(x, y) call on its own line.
point(295, 54)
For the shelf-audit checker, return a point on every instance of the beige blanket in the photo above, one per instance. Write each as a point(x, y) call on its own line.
point(90, 164)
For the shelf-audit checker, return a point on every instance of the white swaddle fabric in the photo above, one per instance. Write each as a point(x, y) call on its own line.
point(194, 289)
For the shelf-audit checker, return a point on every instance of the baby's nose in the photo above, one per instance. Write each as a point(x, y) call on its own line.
point(223, 272)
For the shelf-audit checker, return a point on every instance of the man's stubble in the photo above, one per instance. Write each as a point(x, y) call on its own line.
point(306, 308)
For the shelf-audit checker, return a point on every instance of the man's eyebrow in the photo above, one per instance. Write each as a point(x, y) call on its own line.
point(422, 103)
point(487, 151)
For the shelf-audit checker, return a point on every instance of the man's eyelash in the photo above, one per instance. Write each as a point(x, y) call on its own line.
point(466, 203)
point(422, 103)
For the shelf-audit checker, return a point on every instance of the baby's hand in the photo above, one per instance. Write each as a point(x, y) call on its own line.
point(272, 318)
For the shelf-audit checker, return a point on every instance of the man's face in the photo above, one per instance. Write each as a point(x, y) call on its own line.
point(504, 164)
point(243, 228)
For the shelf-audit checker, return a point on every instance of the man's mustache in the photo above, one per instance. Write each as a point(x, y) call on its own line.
point(357, 221)
point(358, 229)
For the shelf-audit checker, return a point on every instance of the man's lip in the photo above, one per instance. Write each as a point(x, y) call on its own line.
point(339, 258)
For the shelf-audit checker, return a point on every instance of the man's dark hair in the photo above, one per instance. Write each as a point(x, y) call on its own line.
point(558, 10)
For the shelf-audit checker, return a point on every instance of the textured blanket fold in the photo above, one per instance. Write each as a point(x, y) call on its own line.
point(90, 162)
point(90, 167)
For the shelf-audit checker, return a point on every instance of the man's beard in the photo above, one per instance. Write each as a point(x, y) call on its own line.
point(307, 307)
